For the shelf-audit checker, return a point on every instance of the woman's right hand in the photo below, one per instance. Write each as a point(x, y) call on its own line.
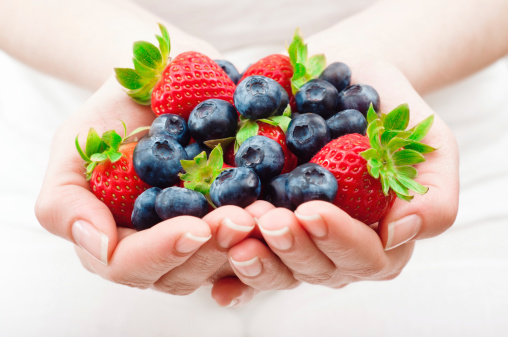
point(177, 256)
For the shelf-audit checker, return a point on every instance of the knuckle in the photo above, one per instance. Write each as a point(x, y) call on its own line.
point(126, 280)
point(175, 285)
point(374, 269)
point(315, 278)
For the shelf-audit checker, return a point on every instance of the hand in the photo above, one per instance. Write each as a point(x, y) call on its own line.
point(321, 244)
point(177, 256)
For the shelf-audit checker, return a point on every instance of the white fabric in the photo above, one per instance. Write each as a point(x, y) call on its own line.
point(455, 284)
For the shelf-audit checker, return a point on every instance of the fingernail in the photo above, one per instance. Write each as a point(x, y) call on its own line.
point(228, 232)
point(189, 242)
point(92, 240)
point(233, 303)
point(282, 239)
point(314, 224)
point(248, 268)
point(403, 230)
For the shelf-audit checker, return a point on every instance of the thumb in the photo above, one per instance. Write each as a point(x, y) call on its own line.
point(430, 214)
point(66, 207)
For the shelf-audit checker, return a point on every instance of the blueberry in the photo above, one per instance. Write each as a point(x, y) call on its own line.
point(275, 192)
point(229, 69)
point(156, 160)
point(262, 154)
point(359, 97)
point(346, 122)
point(319, 97)
point(144, 215)
point(171, 125)
point(213, 119)
point(176, 201)
point(310, 182)
point(306, 135)
point(338, 74)
point(258, 97)
point(196, 148)
point(238, 186)
point(284, 101)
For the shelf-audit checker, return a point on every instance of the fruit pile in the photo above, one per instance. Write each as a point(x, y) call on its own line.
point(289, 130)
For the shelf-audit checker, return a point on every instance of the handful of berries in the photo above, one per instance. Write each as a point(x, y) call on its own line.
point(289, 130)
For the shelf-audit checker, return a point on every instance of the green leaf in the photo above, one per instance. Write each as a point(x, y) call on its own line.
point(129, 79)
point(405, 197)
point(373, 132)
point(413, 185)
point(80, 151)
point(143, 70)
point(370, 153)
point(112, 139)
point(90, 167)
point(420, 147)
point(287, 111)
point(224, 142)
point(190, 166)
point(398, 118)
point(388, 135)
point(371, 114)
point(406, 171)
point(397, 187)
point(316, 65)
point(99, 157)
point(113, 155)
point(282, 122)
point(147, 54)
point(93, 143)
point(247, 130)
point(396, 144)
point(422, 128)
point(268, 121)
point(385, 185)
point(165, 36)
point(216, 159)
point(138, 130)
point(407, 157)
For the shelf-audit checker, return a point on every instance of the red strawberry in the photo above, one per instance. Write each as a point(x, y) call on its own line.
point(173, 86)
point(371, 171)
point(277, 67)
point(111, 173)
point(274, 132)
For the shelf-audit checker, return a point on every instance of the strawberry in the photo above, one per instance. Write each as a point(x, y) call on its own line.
point(290, 72)
point(173, 86)
point(267, 128)
point(277, 67)
point(372, 171)
point(111, 173)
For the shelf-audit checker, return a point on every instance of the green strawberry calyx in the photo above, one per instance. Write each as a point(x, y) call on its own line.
point(394, 150)
point(304, 68)
point(249, 128)
point(99, 149)
point(201, 171)
point(149, 64)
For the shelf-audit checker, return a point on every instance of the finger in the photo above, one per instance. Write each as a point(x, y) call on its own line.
point(257, 266)
point(257, 210)
point(283, 233)
point(229, 225)
point(354, 247)
point(141, 258)
point(231, 292)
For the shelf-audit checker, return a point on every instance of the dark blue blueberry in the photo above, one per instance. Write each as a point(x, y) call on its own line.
point(229, 69)
point(346, 122)
point(213, 119)
point(262, 154)
point(258, 97)
point(319, 97)
point(284, 101)
point(310, 182)
point(171, 125)
point(306, 135)
point(275, 192)
point(359, 97)
point(176, 201)
point(156, 160)
point(338, 74)
point(238, 186)
point(295, 114)
point(196, 148)
point(144, 215)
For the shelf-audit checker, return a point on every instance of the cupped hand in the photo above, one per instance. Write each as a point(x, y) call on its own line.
point(321, 244)
point(176, 256)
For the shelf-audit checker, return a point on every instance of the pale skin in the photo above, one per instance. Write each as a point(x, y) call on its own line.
point(318, 243)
